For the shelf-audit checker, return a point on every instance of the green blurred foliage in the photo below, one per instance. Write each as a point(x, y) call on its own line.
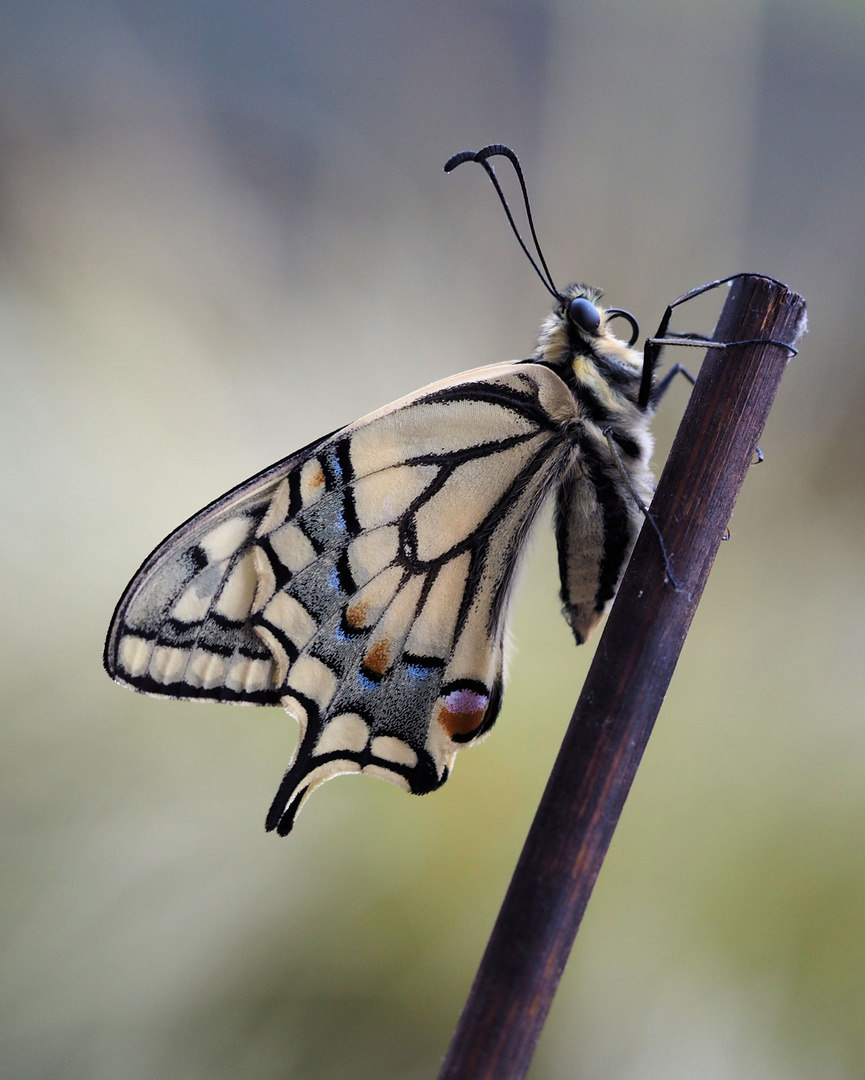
point(225, 231)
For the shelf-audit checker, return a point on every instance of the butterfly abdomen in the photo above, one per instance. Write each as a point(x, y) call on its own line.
point(597, 516)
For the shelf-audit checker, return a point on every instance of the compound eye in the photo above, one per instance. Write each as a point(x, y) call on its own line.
point(584, 315)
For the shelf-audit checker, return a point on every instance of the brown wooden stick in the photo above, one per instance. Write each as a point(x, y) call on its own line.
point(636, 656)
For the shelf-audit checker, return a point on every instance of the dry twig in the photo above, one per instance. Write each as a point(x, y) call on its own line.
point(636, 656)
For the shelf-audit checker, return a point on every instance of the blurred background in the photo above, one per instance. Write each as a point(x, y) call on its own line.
point(224, 231)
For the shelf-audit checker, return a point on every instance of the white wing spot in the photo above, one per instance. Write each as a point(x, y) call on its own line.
point(312, 482)
point(292, 547)
point(192, 606)
point(393, 749)
point(348, 732)
point(206, 670)
point(291, 617)
point(135, 654)
point(249, 674)
point(235, 600)
point(225, 539)
point(314, 679)
point(167, 663)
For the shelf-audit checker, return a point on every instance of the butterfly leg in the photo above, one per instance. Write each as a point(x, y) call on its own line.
point(652, 347)
point(678, 369)
point(663, 386)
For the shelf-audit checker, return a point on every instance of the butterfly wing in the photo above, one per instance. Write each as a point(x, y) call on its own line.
point(182, 628)
point(361, 583)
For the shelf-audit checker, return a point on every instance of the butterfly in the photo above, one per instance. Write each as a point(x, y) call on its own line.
point(363, 583)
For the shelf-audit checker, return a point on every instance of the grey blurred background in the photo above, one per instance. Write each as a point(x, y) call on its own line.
point(225, 230)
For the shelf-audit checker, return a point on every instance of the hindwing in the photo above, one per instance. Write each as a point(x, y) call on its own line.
point(361, 583)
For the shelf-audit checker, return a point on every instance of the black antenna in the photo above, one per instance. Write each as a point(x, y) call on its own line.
point(499, 150)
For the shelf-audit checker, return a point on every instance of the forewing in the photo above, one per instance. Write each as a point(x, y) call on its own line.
point(361, 583)
point(182, 628)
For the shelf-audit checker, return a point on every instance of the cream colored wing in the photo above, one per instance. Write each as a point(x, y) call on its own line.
point(361, 583)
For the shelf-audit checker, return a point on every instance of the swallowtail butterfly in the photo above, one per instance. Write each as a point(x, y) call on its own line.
point(363, 583)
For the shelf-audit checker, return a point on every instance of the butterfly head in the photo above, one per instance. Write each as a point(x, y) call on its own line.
point(579, 331)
